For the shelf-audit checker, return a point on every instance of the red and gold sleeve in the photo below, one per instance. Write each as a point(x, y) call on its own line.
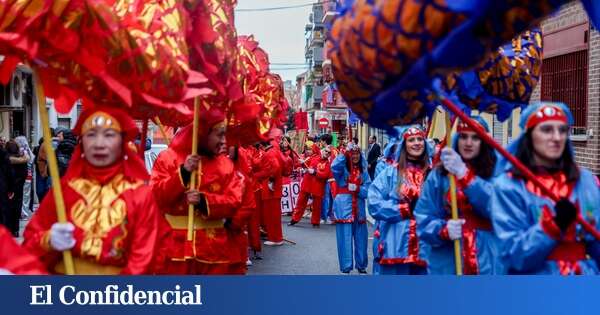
point(223, 204)
point(269, 167)
point(324, 173)
point(144, 232)
point(167, 185)
point(243, 214)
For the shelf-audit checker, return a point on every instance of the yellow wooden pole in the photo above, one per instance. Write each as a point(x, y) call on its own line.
point(190, 228)
point(453, 203)
point(433, 123)
point(53, 167)
point(162, 130)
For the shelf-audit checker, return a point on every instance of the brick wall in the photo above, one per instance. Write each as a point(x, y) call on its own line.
point(587, 152)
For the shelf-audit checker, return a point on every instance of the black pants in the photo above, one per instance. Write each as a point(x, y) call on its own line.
point(14, 209)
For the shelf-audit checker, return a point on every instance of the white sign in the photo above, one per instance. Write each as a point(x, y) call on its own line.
point(289, 196)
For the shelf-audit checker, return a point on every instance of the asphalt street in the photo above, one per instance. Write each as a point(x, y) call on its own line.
point(315, 252)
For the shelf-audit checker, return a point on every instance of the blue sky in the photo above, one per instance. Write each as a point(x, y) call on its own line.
point(280, 32)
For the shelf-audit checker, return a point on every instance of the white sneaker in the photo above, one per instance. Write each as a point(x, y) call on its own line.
point(248, 262)
point(322, 221)
point(269, 243)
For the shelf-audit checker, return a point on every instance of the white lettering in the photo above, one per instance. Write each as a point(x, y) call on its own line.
point(112, 294)
point(62, 294)
point(126, 297)
point(177, 295)
point(140, 297)
point(198, 295)
point(97, 297)
point(154, 298)
point(82, 297)
point(166, 300)
point(115, 295)
point(38, 291)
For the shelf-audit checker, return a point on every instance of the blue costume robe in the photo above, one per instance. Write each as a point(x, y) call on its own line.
point(523, 219)
point(351, 226)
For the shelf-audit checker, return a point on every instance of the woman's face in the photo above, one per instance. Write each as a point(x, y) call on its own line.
point(101, 146)
point(355, 157)
point(469, 145)
point(549, 140)
point(415, 146)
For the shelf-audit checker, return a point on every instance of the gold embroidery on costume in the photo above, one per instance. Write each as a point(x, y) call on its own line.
point(99, 211)
point(214, 187)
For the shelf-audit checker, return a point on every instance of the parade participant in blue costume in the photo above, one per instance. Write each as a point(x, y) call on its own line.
point(352, 179)
point(389, 156)
point(539, 236)
point(472, 162)
point(392, 198)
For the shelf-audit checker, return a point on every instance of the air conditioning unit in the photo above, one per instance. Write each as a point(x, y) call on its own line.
point(17, 88)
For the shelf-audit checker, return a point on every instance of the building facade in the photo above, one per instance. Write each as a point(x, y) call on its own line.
point(19, 112)
point(570, 74)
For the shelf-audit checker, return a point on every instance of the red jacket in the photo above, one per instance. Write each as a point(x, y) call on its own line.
point(223, 188)
point(315, 183)
point(236, 226)
point(116, 227)
point(268, 169)
point(288, 161)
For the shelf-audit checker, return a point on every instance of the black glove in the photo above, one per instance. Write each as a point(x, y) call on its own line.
point(566, 212)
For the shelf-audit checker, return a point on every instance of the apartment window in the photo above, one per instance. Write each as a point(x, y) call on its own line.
point(564, 79)
point(565, 70)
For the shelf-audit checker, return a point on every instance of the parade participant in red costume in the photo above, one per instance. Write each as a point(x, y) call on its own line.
point(342, 144)
point(217, 198)
point(268, 173)
point(237, 226)
point(327, 216)
point(112, 217)
point(254, 156)
point(16, 260)
point(313, 184)
point(289, 155)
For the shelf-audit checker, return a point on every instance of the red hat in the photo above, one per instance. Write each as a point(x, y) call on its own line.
point(546, 112)
point(209, 119)
point(132, 165)
point(413, 131)
point(107, 117)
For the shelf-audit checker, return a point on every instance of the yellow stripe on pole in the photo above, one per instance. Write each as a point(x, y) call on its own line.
point(190, 229)
point(53, 167)
point(453, 203)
